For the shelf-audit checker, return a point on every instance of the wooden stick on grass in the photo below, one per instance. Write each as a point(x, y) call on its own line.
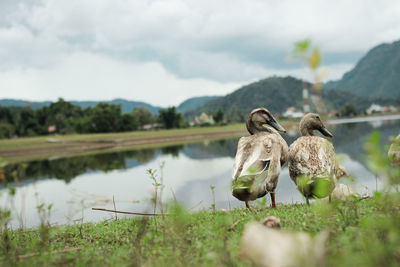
point(115, 208)
point(128, 212)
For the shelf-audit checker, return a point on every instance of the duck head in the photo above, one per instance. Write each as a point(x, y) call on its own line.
point(311, 122)
point(257, 119)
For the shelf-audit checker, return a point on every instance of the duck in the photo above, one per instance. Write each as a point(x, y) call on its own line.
point(259, 158)
point(394, 151)
point(313, 166)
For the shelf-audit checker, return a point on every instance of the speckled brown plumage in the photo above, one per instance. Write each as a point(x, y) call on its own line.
point(313, 156)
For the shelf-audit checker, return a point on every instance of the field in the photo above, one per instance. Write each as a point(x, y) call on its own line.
point(361, 233)
point(36, 148)
point(58, 146)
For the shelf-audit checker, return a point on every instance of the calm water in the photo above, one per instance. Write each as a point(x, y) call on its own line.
point(75, 185)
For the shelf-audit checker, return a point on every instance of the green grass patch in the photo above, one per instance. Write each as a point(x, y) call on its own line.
point(207, 238)
point(42, 140)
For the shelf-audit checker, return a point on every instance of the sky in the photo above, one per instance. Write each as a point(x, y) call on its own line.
point(165, 51)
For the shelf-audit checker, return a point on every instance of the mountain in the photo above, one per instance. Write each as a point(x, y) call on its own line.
point(275, 93)
point(126, 105)
point(23, 103)
point(376, 74)
point(279, 93)
point(193, 103)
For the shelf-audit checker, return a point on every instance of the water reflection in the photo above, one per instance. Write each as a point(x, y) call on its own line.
point(348, 139)
point(74, 185)
point(68, 168)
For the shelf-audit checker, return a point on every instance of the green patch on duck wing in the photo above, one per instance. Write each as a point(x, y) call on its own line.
point(259, 166)
point(253, 176)
point(315, 187)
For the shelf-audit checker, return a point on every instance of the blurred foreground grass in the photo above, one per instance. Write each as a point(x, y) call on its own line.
point(360, 232)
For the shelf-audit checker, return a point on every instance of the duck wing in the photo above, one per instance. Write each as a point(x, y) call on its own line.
point(252, 164)
point(311, 155)
point(312, 166)
point(253, 156)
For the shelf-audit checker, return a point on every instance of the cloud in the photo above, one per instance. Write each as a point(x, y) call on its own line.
point(85, 76)
point(223, 42)
point(89, 76)
point(20, 48)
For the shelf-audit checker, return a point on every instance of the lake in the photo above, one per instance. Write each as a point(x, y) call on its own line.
point(74, 185)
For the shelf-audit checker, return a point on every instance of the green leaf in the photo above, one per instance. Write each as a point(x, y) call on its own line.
point(302, 46)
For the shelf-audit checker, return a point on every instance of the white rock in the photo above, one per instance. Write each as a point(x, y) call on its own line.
point(271, 247)
point(342, 192)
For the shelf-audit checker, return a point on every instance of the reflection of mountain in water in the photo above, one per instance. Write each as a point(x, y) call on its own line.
point(210, 150)
point(350, 138)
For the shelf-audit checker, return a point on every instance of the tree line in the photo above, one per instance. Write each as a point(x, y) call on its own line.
point(62, 117)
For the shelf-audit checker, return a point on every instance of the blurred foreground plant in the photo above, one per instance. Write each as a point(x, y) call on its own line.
point(372, 240)
point(310, 56)
point(379, 162)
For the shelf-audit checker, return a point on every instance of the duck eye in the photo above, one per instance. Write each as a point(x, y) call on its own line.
point(317, 117)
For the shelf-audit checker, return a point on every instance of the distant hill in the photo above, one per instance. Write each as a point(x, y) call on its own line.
point(279, 93)
point(376, 74)
point(275, 93)
point(23, 103)
point(126, 105)
point(193, 103)
point(337, 99)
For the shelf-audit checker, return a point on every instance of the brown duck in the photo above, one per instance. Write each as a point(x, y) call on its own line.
point(259, 158)
point(312, 160)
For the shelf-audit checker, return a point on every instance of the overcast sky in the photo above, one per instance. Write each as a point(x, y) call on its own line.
point(163, 52)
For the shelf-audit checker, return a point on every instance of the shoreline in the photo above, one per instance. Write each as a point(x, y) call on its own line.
point(49, 147)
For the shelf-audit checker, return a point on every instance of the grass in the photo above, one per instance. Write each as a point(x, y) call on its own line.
point(202, 238)
point(61, 154)
point(42, 140)
point(38, 148)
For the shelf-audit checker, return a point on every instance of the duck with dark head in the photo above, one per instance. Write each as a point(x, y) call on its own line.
point(259, 158)
point(312, 160)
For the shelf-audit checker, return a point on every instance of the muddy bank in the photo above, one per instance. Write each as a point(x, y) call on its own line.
point(56, 148)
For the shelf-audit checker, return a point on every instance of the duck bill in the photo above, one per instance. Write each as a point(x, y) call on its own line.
point(276, 125)
point(325, 132)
